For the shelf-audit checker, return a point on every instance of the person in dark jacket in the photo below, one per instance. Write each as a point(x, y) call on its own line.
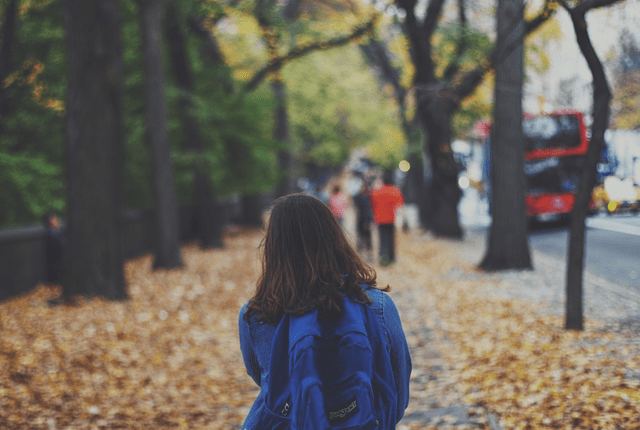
point(364, 219)
point(308, 263)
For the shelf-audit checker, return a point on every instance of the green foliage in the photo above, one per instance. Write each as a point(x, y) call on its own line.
point(626, 89)
point(335, 106)
point(447, 38)
point(30, 187)
point(475, 108)
point(333, 101)
point(237, 157)
point(238, 153)
point(32, 135)
point(478, 106)
point(626, 99)
point(539, 45)
point(137, 168)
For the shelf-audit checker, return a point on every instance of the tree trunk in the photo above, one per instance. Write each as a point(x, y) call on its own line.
point(208, 219)
point(95, 149)
point(601, 97)
point(508, 246)
point(417, 189)
point(443, 191)
point(419, 178)
point(377, 54)
point(419, 175)
point(278, 88)
point(436, 105)
point(251, 207)
point(6, 54)
point(167, 247)
point(439, 98)
point(281, 134)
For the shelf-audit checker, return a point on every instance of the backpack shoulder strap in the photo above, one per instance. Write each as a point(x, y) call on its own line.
point(351, 320)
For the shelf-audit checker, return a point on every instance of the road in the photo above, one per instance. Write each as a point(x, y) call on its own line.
point(612, 247)
point(612, 241)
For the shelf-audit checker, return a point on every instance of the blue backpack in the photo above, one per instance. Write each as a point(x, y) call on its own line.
point(330, 374)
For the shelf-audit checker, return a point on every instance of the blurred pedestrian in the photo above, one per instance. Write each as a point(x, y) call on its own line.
point(338, 202)
point(364, 219)
point(385, 201)
point(312, 277)
point(54, 250)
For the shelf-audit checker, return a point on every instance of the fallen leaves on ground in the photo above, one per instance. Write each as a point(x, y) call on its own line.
point(517, 362)
point(169, 357)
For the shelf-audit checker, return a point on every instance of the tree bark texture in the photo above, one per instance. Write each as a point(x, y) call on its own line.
point(278, 89)
point(377, 55)
point(601, 97)
point(439, 98)
point(167, 246)
point(443, 191)
point(508, 246)
point(281, 134)
point(207, 218)
point(95, 149)
point(436, 105)
point(251, 204)
point(417, 181)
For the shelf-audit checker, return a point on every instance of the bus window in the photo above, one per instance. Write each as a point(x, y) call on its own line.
point(551, 132)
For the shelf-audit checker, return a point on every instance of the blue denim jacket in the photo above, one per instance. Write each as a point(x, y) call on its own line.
point(256, 339)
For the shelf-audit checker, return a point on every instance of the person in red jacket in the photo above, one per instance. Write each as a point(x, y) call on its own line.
point(384, 202)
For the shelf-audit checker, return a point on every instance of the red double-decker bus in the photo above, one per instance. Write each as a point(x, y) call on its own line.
point(555, 146)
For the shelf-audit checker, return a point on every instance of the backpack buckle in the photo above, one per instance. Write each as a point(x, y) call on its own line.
point(286, 409)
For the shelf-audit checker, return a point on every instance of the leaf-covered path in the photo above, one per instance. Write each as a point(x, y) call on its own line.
point(169, 357)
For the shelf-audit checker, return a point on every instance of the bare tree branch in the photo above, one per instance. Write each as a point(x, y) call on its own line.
point(196, 24)
point(420, 35)
point(430, 23)
point(376, 53)
point(300, 51)
point(582, 36)
point(471, 79)
point(586, 5)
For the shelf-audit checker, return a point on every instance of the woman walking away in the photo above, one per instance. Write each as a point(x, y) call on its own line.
point(324, 344)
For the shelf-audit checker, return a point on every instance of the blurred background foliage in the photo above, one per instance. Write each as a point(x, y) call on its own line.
point(336, 101)
point(626, 88)
point(479, 105)
point(236, 127)
point(32, 132)
point(336, 105)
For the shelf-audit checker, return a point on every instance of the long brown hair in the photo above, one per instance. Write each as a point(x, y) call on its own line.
point(307, 263)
